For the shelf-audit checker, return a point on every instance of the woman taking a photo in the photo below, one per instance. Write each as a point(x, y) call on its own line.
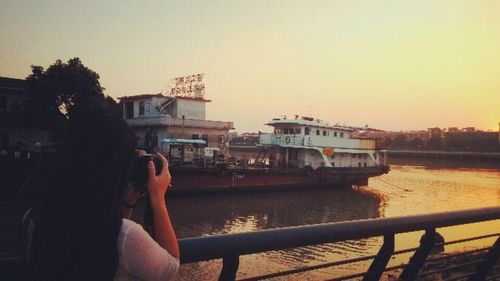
point(82, 229)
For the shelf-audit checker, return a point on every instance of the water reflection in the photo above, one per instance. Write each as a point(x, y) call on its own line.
point(406, 190)
point(196, 216)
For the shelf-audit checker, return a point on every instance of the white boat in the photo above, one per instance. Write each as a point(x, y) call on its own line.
point(312, 144)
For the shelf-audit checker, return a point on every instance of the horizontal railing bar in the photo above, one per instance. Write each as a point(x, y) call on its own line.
point(354, 260)
point(450, 268)
point(309, 268)
point(218, 246)
point(469, 239)
point(458, 254)
point(324, 265)
point(347, 277)
point(461, 276)
point(452, 242)
point(361, 274)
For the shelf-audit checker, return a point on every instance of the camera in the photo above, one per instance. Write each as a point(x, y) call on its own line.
point(139, 173)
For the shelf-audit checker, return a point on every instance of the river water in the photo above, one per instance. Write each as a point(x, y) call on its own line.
point(406, 190)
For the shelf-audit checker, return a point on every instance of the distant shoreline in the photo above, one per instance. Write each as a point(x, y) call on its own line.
point(459, 155)
point(444, 159)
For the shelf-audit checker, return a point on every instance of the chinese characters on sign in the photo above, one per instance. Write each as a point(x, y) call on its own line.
point(188, 85)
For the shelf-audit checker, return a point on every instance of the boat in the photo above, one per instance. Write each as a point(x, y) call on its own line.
point(300, 153)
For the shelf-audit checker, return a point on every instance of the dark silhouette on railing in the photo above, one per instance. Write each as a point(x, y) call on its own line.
point(230, 247)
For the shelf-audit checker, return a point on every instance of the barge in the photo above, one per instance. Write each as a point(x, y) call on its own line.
point(300, 153)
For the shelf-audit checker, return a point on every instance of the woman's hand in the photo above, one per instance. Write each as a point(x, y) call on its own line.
point(158, 184)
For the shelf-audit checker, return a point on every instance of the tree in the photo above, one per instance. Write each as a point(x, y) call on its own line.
point(416, 143)
point(434, 143)
point(400, 141)
point(65, 89)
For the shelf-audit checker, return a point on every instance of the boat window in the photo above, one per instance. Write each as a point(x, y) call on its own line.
point(306, 131)
point(341, 135)
point(359, 164)
point(335, 134)
point(297, 131)
point(365, 164)
point(317, 132)
point(324, 133)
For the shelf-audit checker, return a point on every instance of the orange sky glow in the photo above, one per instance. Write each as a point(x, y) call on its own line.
point(395, 65)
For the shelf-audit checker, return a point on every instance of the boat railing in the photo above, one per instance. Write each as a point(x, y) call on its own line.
point(230, 247)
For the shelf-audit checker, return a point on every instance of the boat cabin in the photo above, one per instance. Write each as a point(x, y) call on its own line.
point(312, 143)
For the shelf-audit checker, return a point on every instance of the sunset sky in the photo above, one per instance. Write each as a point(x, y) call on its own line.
point(396, 65)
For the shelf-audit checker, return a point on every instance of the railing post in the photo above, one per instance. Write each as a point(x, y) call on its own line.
point(490, 259)
point(380, 261)
point(416, 262)
point(229, 268)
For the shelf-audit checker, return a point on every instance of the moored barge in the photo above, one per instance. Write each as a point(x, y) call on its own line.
point(299, 154)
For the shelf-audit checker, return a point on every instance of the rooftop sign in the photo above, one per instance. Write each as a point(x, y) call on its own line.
point(188, 86)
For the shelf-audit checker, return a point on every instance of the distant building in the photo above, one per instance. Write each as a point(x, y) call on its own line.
point(232, 135)
point(13, 94)
point(453, 130)
point(157, 117)
point(435, 131)
point(17, 128)
point(469, 129)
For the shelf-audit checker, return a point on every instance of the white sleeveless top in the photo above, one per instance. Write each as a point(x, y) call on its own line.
point(142, 258)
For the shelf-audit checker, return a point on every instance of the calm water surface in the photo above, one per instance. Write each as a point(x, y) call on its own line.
point(406, 190)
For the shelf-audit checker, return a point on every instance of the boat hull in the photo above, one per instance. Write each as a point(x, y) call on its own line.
point(204, 181)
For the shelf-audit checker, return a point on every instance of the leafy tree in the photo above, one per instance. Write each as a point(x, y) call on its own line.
point(387, 143)
point(65, 89)
point(434, 143)
point(400, 141)
point(416, 143)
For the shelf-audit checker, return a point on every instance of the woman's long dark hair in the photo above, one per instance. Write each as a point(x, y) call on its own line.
point(79, 221)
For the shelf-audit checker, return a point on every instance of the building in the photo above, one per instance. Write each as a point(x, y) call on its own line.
point(13, 94)
point(469, 129)
point(158, 118)
point(17, 127)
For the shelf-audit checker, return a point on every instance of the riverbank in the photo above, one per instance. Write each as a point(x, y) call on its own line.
point(446, 155)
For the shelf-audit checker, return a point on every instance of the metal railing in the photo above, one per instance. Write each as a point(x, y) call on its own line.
point(230, 247)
